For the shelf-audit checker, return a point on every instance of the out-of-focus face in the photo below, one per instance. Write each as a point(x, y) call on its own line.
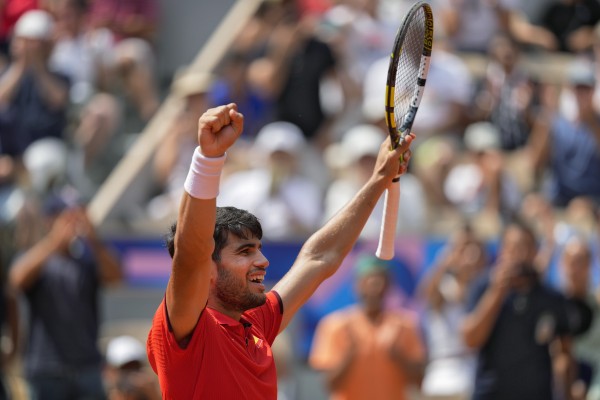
point(371, 289)
point(504, 51)
point(67, 15)
point(518, 247)
point(584, 96)
point(575, 265)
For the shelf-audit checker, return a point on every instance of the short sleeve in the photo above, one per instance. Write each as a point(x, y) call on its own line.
point(328, 343)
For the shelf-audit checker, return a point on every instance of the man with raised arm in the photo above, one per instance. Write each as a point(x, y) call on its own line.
point(211, 336)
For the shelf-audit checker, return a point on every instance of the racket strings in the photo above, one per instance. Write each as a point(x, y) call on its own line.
point(409, 63)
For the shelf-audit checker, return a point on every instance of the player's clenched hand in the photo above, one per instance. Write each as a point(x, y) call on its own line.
point(218, 129)
point(391, 163)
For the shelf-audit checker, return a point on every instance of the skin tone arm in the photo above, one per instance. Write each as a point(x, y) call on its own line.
point(26, 270)
point(69, 224)
point(54, 92)
point(31, 55)
point(10, 82)
point(192, 270)
point(110, 267)
point(325, 250)
point(538, 145)
point(336, 376)
point(478, 325)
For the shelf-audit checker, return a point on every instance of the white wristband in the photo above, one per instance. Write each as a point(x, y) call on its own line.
point(203, 178)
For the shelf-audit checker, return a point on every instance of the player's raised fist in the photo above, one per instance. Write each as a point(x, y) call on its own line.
point(218, 129)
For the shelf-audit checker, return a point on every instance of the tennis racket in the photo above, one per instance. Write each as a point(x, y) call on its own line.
point(407, 74)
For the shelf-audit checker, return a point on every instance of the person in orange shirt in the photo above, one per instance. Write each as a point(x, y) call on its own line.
point(365, 350)
point(211, 336)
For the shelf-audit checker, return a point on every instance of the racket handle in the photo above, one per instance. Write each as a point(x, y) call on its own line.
point(387, 236)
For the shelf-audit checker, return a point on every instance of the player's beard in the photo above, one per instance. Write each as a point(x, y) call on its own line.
point(234, 293)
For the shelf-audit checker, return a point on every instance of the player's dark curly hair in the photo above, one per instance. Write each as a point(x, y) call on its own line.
point(232, 220)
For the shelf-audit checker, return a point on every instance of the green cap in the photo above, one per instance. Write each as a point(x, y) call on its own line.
point(367, 264)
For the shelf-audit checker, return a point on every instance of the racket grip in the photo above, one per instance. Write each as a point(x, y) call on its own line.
point(387, 236)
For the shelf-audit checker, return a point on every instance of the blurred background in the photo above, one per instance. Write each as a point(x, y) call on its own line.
point(99, 101)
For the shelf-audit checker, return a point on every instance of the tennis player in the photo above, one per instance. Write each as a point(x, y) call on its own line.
point(211, 335)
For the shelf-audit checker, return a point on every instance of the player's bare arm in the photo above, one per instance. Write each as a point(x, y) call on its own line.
point(325, 250)
point(193, 267)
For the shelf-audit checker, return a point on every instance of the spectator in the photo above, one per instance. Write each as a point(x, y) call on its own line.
point(75, 53)
point(506, 94)
point(353, 159)
point(129, 27)
point(298, 61)
point(571, 22)
point(366, 351)
point(471, 24)
point(512, 320)
point(173, 157)
point(479, 184)
point(575, 271)
point(10, 12)
point(440, 121)
point(569, 149)
point(9, 323)
point(287, 203)
point(33, 99)
point(240, 81)
point(60, 277)
point(126, 375)
point(451, 365)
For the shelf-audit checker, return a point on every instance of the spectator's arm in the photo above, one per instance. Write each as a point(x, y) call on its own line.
point(478, 324)
point(527, 33)
point(109, 265)
point(26, 270)
point(55, 92)
point(538, 145)
point(333, 351)
point(564, 367)
point(13, 320)
point(9, 83)
point(167, 153)
point(429, 288)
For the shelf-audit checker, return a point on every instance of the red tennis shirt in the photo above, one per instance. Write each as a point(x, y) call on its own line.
point(224, 359)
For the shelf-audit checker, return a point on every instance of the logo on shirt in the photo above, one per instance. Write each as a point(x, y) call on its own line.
point(258, 342)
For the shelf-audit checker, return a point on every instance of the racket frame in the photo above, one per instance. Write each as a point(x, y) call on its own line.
point(385, 249)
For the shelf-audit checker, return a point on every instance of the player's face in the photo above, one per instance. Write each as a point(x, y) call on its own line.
point(240, 274)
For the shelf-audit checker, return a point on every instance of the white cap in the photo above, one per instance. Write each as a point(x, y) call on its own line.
point(373, 106)
point(581, 73)
point(190, 82)
point(124, 349)
point(45, 160)
point(359, 141)
point(481, 136)
point(35, 24)
point(280, 136)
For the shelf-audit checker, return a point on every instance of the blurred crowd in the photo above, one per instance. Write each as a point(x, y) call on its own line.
point(508, 129)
